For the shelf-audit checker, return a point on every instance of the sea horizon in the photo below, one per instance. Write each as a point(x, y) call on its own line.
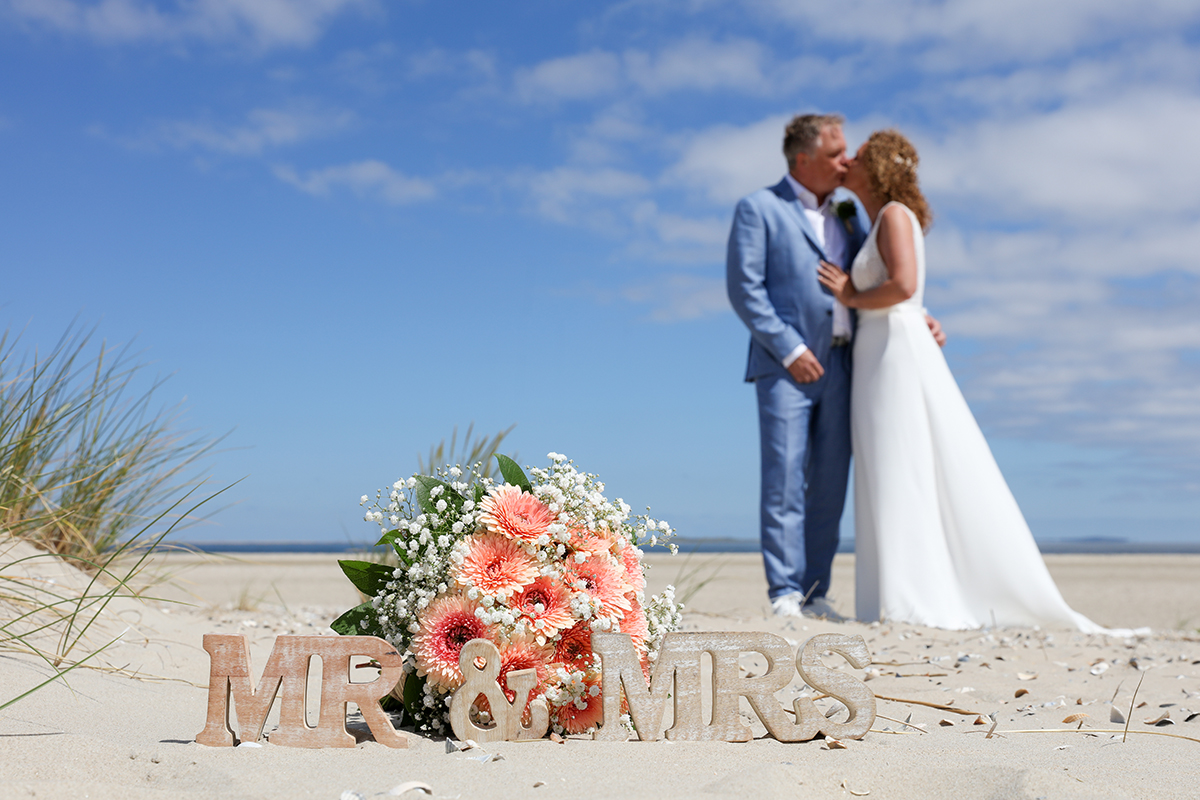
point(1096, 545)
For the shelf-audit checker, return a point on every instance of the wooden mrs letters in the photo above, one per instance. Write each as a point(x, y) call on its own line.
point(679, 664)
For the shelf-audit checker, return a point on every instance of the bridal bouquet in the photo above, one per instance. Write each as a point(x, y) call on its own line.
point(534, 565)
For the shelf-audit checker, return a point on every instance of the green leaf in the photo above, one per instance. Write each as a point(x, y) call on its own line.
point(368, 577)
point(513, 473)
point(350, 623)
point(414, 693)
point(389, 537)
point(478, 493)
point(428, 504)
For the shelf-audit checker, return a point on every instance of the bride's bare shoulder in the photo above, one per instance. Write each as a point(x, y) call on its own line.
point(892, 215)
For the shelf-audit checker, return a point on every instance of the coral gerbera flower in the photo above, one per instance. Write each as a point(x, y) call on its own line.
point(446, 625)
point(585, 712)
point(547, 605)
point(589, 542)
point(574, 647)
point(496, 565)
point(509, 511)
point(604, 580)
point(631, 557)
point(634, 623)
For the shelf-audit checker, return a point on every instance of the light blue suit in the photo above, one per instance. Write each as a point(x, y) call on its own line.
point(804, 429)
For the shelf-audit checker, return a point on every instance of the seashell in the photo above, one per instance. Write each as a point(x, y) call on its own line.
point(834, 744)
point(1026, 676)
point(855, 792)
point(409, 786)
point(1115, 715)
point(1162, 719)
point(1100, 668)
point(1020, 692)
point(1067, 720)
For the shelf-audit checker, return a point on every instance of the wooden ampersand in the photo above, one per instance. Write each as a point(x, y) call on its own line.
point(287, 669)
point(483, 680)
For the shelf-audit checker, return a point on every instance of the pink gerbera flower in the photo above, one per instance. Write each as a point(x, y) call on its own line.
point(574, 647)
point(575, 719)
point(495, 565)
point(604, 580)
point(631, 557)
point(547, 604)
point(509, 511)
point(447, 624)
point(589, 542)
point(634, 623)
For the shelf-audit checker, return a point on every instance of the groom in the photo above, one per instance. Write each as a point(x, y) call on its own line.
point(799, 357)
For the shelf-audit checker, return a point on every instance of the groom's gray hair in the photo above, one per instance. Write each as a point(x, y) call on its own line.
point(803, 133)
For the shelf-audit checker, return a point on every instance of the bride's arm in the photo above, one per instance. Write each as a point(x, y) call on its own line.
point(896, 246)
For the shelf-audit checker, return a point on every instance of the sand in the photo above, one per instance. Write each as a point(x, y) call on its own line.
point(127, 731)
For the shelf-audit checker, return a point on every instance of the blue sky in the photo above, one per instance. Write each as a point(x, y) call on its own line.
point(344, 227)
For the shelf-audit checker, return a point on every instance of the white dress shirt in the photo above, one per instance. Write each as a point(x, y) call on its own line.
point(831, 235)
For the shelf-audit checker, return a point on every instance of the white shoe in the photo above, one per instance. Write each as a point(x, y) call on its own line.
point(820, 608)
point(788, 605)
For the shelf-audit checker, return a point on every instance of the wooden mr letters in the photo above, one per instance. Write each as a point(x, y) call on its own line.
point(287, 669)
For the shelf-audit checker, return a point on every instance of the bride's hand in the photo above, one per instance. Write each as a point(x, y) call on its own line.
point(837, 281)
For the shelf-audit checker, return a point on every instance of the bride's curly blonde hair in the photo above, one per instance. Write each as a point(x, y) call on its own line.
point(891, 162)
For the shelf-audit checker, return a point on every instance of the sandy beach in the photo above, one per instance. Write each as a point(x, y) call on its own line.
point(127, 728)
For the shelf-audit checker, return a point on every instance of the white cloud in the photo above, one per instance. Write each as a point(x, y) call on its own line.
point(1075, 335)
point(680, 297)
point(726, 162)
point(570, 78)
point(370, 178)
point(263, 23)
point(568, 194)
point(1113, 162)
point(702, 64)
point(978, 31)
point(263, 128)
point(694, 63)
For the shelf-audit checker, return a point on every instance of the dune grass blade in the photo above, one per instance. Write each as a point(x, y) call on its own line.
point(479, 450)
point(58, 673)
point(1100, 730)
point(84, 456)
point(147, 549)
point(692, 578)
point(75, 614)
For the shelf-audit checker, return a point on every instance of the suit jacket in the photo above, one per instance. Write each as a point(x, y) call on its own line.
point(771, 277)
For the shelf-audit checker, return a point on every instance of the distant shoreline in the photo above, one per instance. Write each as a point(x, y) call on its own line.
point(1070, 546)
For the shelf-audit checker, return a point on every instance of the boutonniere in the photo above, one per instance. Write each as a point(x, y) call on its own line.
point(846, 211)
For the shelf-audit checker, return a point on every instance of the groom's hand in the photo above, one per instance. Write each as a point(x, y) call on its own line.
point(935, 328)
point(806, 368)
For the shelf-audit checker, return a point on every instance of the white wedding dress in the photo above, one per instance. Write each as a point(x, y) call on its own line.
point(939, 539)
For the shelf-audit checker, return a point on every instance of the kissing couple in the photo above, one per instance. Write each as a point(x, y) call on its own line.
point(844, 358)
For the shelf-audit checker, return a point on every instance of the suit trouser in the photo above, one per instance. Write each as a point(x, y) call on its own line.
point(805, 467)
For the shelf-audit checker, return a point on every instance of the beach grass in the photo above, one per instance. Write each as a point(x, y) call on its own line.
point(477, 450)
point(86, 454)
point(61, 620)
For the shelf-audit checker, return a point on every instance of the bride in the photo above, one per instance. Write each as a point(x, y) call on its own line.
point(939, 538)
